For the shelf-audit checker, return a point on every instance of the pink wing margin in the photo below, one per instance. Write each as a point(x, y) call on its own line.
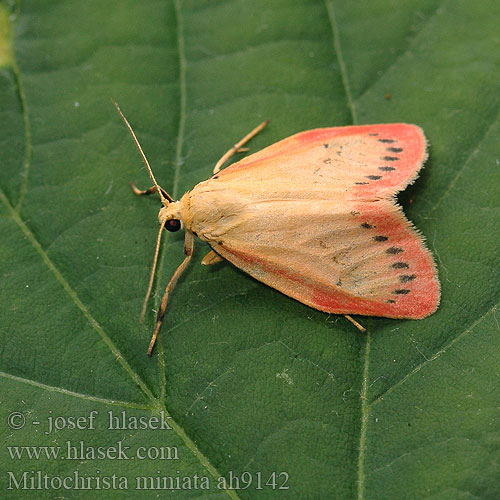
point(399, 150)
point(395, 153)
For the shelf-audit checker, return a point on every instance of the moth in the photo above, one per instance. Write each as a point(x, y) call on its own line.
point(315, 217)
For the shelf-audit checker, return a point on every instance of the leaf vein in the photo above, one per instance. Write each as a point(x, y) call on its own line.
point(27, 128)
point(67, 392)
point(107, 340)
point(338, 51)
point(461, 170)
point(411, 42)
point(74, 297)
point(365, 409)
point(434, 356)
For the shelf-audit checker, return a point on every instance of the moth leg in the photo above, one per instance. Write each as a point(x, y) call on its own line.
point(188, 250)
point(142, 192)
point(211, 258)
point(355, 323)
point(238, 146)
point(147, 192)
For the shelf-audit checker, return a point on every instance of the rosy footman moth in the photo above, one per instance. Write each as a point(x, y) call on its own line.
point(314, 216)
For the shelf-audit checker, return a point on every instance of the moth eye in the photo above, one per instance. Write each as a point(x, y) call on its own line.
point(173, 225)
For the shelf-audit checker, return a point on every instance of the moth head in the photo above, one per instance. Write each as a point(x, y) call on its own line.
point(169, 216)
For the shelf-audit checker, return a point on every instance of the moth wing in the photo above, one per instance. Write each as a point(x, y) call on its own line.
point(360, 162)
point(337, 258)
point(313, 216)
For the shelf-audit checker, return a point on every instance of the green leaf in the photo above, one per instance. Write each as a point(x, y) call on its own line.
point(250, 382)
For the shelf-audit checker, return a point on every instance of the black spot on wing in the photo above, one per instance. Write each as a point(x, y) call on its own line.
point(380, 238)
point(394, 250)
point(390, 301)
point(374, 177)
point(361, 183)
point(402, 291)
point(400, 265)
point(390, 158)
point(405, 278)
point(387, 141)
point(394, 150)
point(367, 226)
point(386, 169)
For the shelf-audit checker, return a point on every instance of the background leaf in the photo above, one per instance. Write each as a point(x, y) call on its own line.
point(252, 380)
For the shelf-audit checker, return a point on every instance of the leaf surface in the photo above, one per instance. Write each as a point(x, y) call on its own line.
point(251, 382)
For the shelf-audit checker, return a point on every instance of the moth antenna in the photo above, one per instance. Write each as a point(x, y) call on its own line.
point(163, 194)
point(361, 328)
point(153, 272)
